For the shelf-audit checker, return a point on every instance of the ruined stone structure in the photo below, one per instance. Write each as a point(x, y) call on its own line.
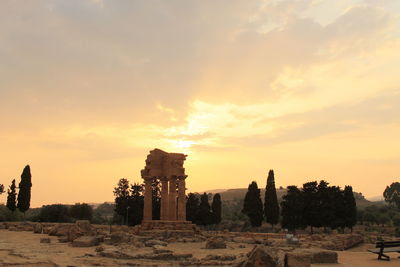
point(168, 167)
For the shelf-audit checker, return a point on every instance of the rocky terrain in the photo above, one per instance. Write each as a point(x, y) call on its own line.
point(83, 244)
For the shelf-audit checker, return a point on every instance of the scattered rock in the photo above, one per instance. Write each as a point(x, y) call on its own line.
point(157, 249)
point(215, 243)
point(246, 240)
point(59, 229)
point(262, 256)
point(219, 257)
point(37, 228)
point(63, 239)
point(154, 242)
point(85, 241)
point(45, 240)
point(99, 249)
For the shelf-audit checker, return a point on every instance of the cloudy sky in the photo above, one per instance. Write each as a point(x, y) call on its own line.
point(308, 88)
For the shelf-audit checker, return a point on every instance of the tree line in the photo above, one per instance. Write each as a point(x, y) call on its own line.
point(129, 203)
point(314, 205)
point(22, 200)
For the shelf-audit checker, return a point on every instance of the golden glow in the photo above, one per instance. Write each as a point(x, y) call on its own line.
point(307, 88)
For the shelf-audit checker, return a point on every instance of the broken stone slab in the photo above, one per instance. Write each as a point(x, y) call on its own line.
point(219, 257)
point(63, 239)
point(215, 243)
point(154, 242)
point(293, 259)
point(37, 228)
point(261, 256)
point(85, 241)
point(157, 249)
point(324, 256)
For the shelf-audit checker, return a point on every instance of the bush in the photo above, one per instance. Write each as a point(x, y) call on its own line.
point(54, 213)
point(8, 215)
point(81, 211)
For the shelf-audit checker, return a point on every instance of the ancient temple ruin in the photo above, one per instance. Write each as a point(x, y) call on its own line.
point(168, 168)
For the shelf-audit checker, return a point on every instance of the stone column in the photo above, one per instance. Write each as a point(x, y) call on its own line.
point(172, 199)
point(148, 205)
point(182, 199)
point(164, 199)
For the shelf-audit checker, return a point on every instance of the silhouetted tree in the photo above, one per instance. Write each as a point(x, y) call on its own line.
point(392, 194)
point(122, 197)
point(136, 204)
point(350, 216)
point(292, 209)
point(11, 198)
point(204, 216)
point(312, 207)
point(156, 201)
point(1, 189)
point(216, 208)
point(24, 194)
point(54, 213)
point(337, 206)
point(326, 212)
point(253, 206)
point(271, 206)
point(192, 207)
point(81, 211)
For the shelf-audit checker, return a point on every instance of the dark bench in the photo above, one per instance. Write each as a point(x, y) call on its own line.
point(385, 247)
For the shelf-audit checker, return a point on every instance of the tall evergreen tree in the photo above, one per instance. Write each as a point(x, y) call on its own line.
point(271, 206)
point(216, 209)
point(292, 209)
point(204, 216)
point(311, 205)
point(24, 194)
point(1, 189)
point(192, 207)
point(122, 198)
point(350, 205)
point(11, 198)
point(253, 206)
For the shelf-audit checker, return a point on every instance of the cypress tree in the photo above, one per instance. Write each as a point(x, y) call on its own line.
point(216, 208)
point(11, 198)
point(192, 207)
point(252, 205)
point(204, 216)
point(24, 194)
point(350, 207)
point(271, 206)
point(292, 209)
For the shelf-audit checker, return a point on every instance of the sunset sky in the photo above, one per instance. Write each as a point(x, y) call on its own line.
point(308, 88)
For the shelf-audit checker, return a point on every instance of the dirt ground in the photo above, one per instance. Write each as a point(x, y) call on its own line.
point(25, 249)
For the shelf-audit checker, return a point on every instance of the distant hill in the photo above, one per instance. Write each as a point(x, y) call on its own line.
point(239, 194)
